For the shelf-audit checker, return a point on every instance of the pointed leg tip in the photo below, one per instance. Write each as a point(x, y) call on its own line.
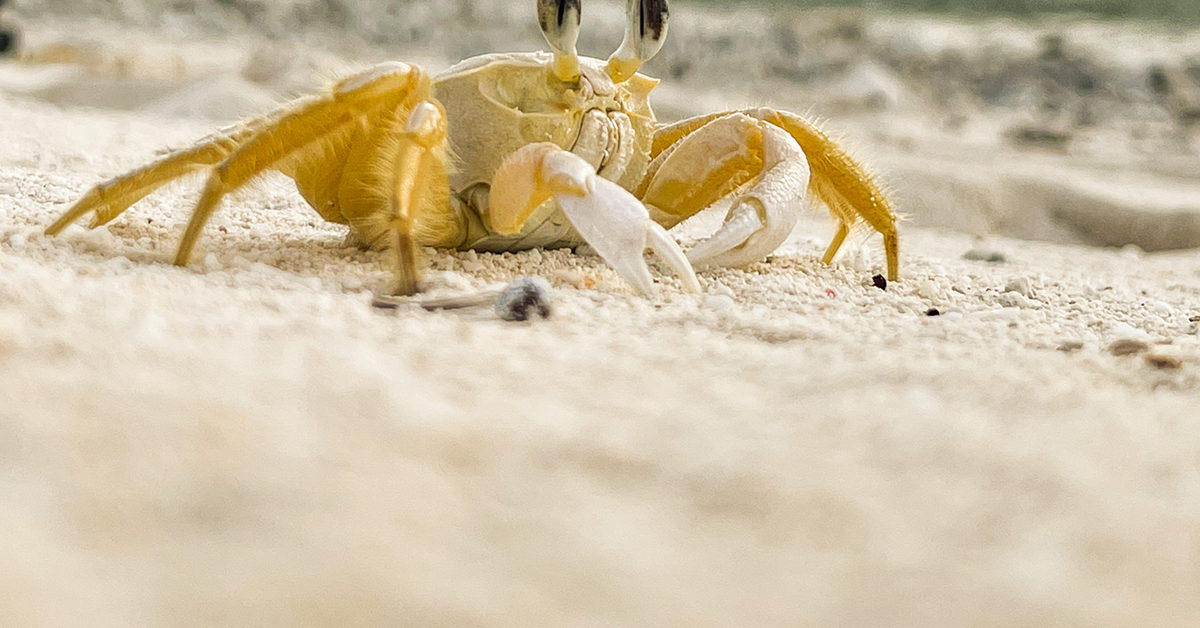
point(401, 288)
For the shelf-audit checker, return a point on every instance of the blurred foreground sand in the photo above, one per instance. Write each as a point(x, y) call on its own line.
point(247, 442)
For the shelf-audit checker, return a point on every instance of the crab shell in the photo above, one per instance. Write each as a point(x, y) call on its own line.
point(497, 103)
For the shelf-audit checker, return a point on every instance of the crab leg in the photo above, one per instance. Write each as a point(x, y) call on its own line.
point(109, 199)
point(288, 136)
point(421, 160)
point(736, 152)
point(608, 217)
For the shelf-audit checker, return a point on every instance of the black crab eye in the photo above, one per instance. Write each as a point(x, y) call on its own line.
point(559, 18)
point(652, 20)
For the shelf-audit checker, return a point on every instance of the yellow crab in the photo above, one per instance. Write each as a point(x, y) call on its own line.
point(506, 152)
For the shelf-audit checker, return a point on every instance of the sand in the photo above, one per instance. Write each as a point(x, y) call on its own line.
point(247, 441)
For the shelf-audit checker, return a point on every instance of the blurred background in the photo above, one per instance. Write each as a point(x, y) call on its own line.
point(1064, 120)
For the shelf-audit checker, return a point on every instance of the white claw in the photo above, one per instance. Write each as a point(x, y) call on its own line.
point(618, 227)
point(668, 249)
point(721, 246)
point(763, 216)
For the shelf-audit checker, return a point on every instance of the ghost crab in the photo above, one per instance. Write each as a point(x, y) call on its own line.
point(506, 152)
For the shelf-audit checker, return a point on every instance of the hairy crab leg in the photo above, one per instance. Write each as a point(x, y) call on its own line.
point(645, 31)
point(608, 217)
point(418, 166)
point(109, 199)
point(383, 87)
point(759, 164)
point(838, 181)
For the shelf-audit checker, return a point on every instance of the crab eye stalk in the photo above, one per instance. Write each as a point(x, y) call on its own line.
point(559, 20)
point(645, 30)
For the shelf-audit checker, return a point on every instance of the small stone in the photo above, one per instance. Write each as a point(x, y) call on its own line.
point(1165, 362)
point(928, 290)
point(1067, 346)
point(1014, 299)
point(524, 298)
point(719, 303)
point(933, 311)
point(472, 266)
point(571, 277)
point(1127, 346)
point(720, 288)
point(17, 241)
point(879, 282)
point(1019, 285)
point(1160, 308)
point(1132, 251)
point(983, 255)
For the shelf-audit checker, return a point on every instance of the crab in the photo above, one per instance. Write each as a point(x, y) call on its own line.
point(507, 152)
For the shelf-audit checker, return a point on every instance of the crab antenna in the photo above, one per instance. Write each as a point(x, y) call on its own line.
point(645, 30)
point(559, 20)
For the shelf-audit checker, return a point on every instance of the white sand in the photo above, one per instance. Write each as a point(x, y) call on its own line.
point(247, 442)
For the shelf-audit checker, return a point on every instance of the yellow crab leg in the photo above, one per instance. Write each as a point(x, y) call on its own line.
point(108, 199)
point(419, 171)
point(844, 186)
point(385, 86)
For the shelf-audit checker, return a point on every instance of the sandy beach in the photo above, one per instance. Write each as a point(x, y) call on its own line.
point(1007, 436)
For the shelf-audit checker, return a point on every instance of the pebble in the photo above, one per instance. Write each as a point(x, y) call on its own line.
point(879, 282)
point(1019, 285)
point(571, 277)
point(524, 298)
point(1068, 346)
point(1014, 299)
point(18, 241)
point(984, 255)
point(928, 290)
point(1127, 346)
point(472, 266)
point(1132, 251)
point(1125, 330)
point(720, 303)
point(721, 289)
point(1160, 308)
point(1165, 362)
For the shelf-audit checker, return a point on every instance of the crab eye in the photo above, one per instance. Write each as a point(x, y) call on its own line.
point(559, 20)
point(645, 31)
point(651, 26)
point(555, 16)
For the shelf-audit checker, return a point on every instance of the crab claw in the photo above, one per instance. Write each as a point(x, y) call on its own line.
point(763, 215)
point(645, 31)
point(559, 20)
point(610, 219)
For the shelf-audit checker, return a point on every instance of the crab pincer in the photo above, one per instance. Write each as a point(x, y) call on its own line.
point(612, 220)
